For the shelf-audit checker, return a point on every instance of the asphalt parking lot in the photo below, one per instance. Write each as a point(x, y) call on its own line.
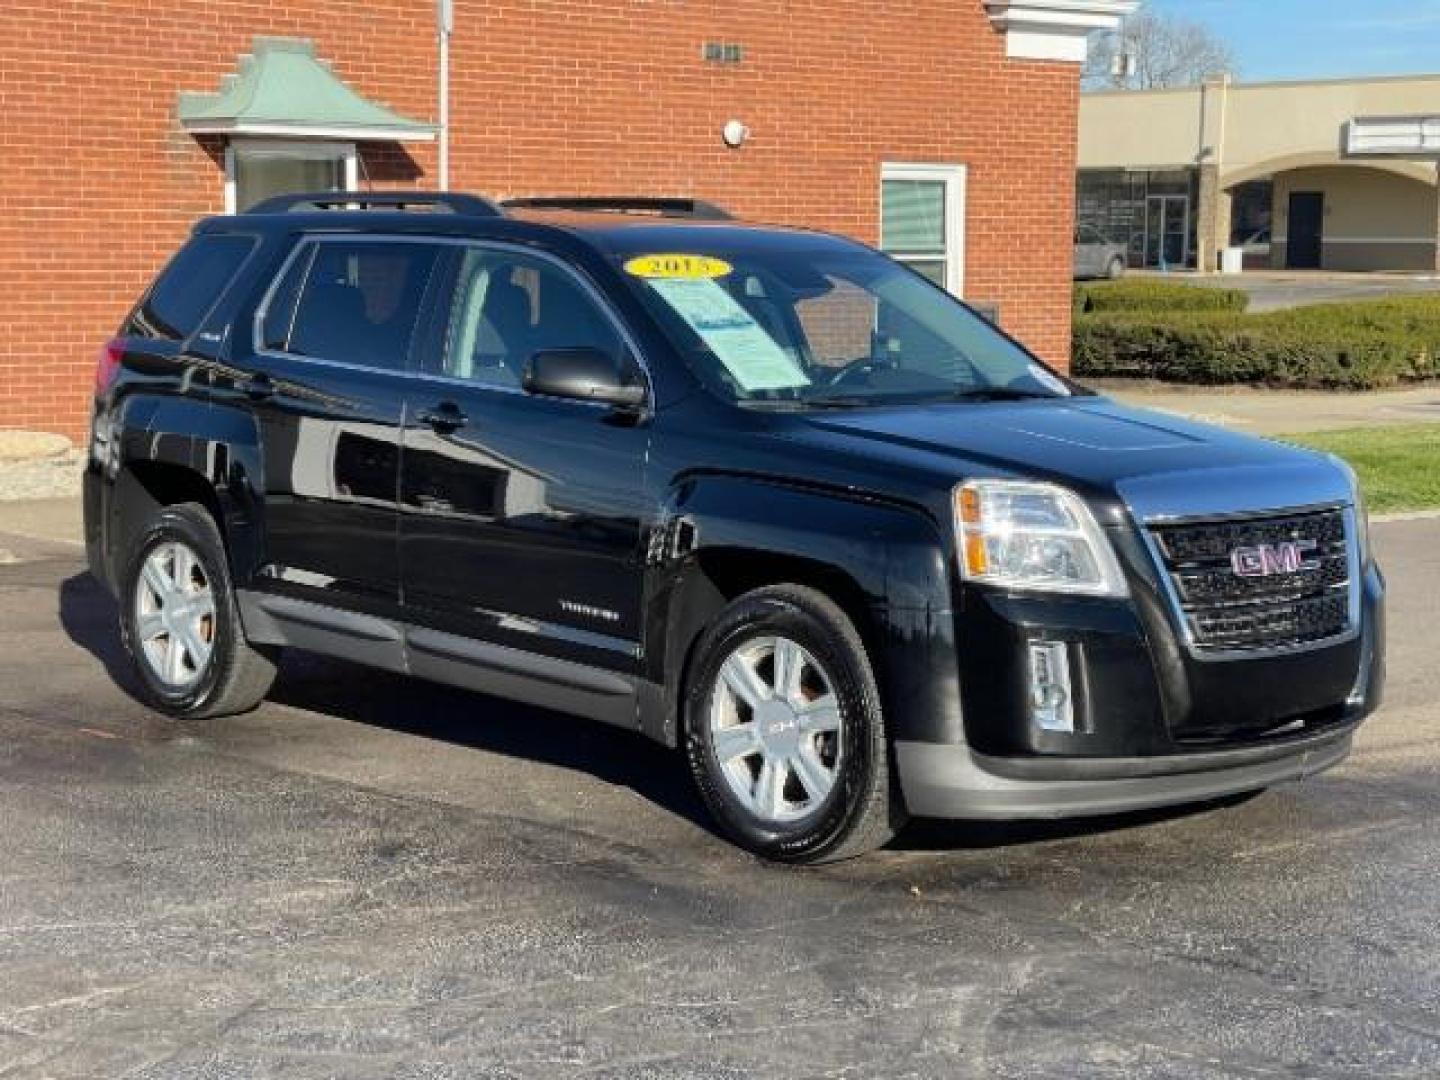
point(1276, 290)
point(373, 877)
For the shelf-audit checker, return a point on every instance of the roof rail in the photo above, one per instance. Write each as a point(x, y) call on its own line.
point(468, 205)
point(623, 204)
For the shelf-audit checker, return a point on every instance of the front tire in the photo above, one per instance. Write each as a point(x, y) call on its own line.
point(784, 731)
point(180, 623)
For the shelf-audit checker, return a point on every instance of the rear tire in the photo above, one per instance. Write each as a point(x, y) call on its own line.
point(784, 731)
point(180, 622)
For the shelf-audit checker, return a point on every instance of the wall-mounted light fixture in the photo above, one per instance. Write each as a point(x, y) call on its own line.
point(734, 133)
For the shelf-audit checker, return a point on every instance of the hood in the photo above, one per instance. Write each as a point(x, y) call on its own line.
point(1096, 445)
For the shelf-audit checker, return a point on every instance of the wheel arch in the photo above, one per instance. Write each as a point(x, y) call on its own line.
point(177, 450)
point(882, 563)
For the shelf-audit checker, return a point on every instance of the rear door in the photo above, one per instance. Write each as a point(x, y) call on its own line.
point(325, 379)
point(521, 516)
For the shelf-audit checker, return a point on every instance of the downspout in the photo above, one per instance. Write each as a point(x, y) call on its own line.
point(445, 26)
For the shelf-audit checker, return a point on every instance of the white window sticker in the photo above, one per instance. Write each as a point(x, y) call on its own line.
point(742, 345)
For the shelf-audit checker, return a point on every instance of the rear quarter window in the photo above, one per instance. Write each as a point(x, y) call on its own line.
point(189, 287)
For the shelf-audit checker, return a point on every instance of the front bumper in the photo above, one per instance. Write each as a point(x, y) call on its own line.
point(955, 782)
point(1153, 727)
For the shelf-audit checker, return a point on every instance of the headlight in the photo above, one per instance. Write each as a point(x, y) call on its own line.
point(1362, 515)
point(1033, 536)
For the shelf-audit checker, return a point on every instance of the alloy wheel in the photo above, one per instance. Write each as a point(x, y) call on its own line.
point(174, 615)
point(775, 729)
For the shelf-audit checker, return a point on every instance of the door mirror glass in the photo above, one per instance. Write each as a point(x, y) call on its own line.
point(581, 374)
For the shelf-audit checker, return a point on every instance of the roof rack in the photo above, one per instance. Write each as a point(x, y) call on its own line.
point(468, 205)
point(623, 204)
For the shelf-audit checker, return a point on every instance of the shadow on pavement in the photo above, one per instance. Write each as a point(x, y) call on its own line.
point(929, 835)
point(87, 615)
point(413, 707)
point(427, 710)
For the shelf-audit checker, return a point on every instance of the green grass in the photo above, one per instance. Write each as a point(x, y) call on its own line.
point(1399, 467)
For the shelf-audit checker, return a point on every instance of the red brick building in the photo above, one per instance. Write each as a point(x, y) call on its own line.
point(107, 158)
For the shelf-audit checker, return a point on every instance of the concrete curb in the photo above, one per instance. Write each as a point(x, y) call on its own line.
point(1406, 515)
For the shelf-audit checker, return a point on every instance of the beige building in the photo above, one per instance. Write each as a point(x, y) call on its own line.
point(1335, 175)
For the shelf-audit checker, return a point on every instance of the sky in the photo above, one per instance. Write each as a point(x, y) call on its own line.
point(1306, 39)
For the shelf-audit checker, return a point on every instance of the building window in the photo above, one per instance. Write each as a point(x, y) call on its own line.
point(256, 169)
point(1149, 212)
point(922, 220)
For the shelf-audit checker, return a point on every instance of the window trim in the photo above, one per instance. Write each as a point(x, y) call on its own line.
point(955, 179)
point(332, 150)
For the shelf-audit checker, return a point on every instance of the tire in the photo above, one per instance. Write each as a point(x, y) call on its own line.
point(1116, 270)
point(730, 745)
point(182, 541)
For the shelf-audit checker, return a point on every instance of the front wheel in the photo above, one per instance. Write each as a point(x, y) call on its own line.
point(179, 620)
point(785, 734)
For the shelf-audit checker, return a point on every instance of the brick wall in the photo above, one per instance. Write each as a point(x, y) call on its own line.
point(98, 184)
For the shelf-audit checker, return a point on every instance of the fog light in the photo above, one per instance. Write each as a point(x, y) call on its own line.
point(1051, 707)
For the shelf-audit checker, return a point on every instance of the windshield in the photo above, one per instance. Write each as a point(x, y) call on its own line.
point(828, 326)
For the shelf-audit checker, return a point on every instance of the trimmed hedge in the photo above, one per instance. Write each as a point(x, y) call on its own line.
point(1355, 346)
point(1159, 296)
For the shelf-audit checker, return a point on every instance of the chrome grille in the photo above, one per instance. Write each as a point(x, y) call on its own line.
point(1225, 611)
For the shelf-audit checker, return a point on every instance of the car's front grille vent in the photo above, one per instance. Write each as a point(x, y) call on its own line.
point(1259, 584)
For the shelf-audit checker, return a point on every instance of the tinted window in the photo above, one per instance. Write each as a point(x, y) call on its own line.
point(360, 302)
point(507, 307)
point(280, 312)
point(189, 287)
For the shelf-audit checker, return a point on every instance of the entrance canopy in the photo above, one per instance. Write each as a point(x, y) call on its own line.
point(282, 89)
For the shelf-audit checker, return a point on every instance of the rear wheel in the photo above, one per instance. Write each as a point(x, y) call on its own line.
point(179, 620)
point(785, 734)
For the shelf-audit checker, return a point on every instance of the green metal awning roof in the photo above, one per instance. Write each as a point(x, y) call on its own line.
point(282, 89)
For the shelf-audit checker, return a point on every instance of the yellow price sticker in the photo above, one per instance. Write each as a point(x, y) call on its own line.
point(678, 267)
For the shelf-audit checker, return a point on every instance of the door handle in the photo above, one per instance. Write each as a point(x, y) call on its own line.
point(258, 387)
point(443, 417)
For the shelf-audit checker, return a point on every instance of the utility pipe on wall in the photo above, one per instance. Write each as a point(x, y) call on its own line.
point(444, 26)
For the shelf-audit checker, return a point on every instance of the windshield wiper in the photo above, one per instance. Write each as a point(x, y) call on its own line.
point(836, 401)
point(1002, 393)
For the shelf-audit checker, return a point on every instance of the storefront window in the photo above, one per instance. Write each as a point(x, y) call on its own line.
point(1251, 208)
point(1152, 213)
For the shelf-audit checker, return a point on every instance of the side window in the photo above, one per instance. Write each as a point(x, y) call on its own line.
point(508, 306)
point(189, 287)
point(280, 312)
point(360, 301)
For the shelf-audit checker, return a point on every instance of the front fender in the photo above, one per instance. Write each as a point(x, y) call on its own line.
point(882, 561)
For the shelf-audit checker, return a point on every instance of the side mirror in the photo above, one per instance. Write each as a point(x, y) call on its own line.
point(582, 374)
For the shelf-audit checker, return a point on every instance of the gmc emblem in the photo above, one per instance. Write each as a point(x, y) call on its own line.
point(1267, 560)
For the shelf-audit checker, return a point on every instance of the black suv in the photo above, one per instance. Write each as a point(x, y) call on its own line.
point(762, 494)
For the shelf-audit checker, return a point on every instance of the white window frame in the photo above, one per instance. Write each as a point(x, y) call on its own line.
point(344, 152)
point(954, 177)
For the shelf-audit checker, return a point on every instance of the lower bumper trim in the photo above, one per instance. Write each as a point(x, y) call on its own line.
point(952, 782)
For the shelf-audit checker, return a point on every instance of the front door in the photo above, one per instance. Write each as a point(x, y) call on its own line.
point(1167, 231)
point(1305, 246)
point(326, 383)
point(521, 516)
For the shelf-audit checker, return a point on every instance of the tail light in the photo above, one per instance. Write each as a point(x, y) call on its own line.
point(107, 365)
